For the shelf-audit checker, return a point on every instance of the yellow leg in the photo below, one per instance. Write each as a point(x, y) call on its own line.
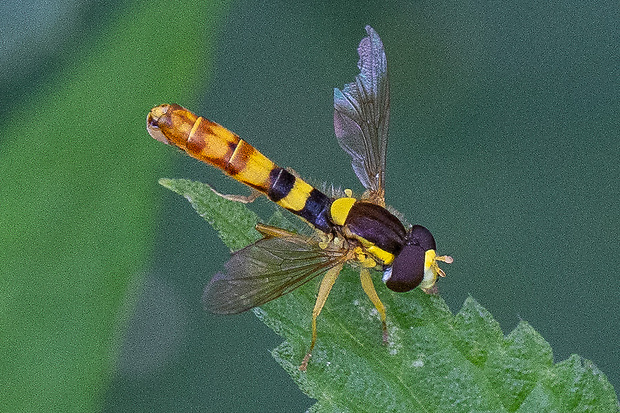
point(369, 289)
point(326, 286)
point(269, 231)
point(244, 199)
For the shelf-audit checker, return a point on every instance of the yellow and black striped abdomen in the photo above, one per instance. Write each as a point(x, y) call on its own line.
point(212, 143)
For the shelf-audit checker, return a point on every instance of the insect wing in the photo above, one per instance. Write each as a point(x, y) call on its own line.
point(362, 112)
point(266, 270)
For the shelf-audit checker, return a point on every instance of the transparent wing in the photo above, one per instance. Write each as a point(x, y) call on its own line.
point(362, 112)
point(266, 270)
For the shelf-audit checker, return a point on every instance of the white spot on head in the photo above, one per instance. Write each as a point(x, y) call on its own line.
point(417, 363)
point(387, 274)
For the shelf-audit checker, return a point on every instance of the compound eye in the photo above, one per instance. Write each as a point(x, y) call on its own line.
point(421, 236)
point(407, 271)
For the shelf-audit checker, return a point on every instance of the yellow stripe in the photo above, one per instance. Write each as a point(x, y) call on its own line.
point(255, 169)
point(194, 128)
point(340, 209)
point(382, 254)
point(297, 197)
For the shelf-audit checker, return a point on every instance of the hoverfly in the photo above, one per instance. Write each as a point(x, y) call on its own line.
point(361, 232)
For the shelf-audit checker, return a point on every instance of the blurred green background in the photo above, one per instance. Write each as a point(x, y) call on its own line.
point(504, 142)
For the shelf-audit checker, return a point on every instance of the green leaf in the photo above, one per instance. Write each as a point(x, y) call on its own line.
point(77, 200)
point(234, 222)
point(435, 361)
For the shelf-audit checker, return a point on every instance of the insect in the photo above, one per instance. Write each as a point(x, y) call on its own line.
point(360, 232)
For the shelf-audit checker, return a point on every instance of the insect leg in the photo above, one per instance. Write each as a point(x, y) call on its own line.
point(271, 231)
point(244, 199)
point(369, 289)
point(326, 285)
